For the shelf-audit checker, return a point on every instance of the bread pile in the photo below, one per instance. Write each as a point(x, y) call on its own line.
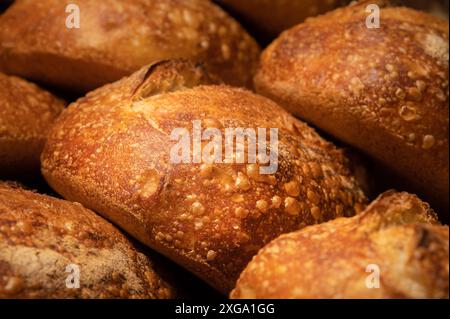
point(137, 73)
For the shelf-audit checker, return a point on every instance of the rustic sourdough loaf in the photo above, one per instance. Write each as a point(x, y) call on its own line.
point(396, 238)
point(110, 151)
point(26, 114)
point(44, 241)
point(115, 38)
point(384, 91)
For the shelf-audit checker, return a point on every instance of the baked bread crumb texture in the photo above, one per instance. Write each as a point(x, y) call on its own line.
point(116, 120)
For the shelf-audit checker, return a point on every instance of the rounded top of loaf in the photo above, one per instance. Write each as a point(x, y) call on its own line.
point(383, 90)
point(41, 236)
point(396, 75)
point(116, 38)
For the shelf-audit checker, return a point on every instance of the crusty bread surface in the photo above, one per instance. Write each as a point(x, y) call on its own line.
point(116, 38)
point(394, 249)
point(110, 151)
point(45, 243)
point(383, 90)
point(26, 114)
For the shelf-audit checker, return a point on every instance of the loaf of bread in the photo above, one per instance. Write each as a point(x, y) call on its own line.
point(40, 40)
point(383, 90)
point(273, 16)
point(111, 151)
point(51, 248)
point(394, 249)
point(26, 114)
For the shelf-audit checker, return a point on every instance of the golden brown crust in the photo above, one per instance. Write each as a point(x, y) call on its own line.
point(110, 151)
point(116, 38)
point(274, 16)
point(384, 91)
point(40, 236)
point(397, 232)
point(26, 114)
